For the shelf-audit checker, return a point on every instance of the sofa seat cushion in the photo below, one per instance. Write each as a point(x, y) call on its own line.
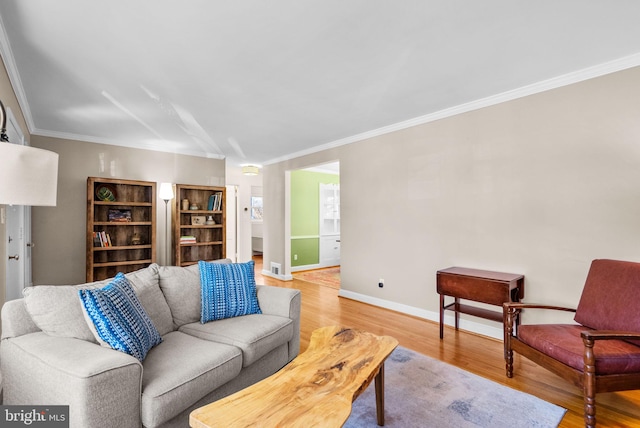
point(180, 371)
point(255, 335)
point(563, 342)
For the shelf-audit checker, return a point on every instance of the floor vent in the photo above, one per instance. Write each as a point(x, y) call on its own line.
point(275, 268)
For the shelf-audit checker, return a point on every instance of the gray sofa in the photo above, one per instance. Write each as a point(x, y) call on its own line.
point(48, 355)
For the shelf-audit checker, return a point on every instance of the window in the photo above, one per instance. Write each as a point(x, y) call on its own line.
point(256, 208)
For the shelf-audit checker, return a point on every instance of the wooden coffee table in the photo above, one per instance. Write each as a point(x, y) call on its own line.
point(315, 389)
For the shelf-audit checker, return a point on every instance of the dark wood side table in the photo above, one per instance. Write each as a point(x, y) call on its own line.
point(493, 288)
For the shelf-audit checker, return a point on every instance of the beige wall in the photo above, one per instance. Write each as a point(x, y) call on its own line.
point(59, 232)
point(539, 186)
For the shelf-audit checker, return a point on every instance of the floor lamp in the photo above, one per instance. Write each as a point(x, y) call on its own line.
point(166, 194)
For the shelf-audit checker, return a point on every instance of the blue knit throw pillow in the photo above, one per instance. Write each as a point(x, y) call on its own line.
point(227, 290)
point(119, 318)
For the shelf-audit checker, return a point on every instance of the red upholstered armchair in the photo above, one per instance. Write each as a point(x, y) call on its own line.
point(602, 352)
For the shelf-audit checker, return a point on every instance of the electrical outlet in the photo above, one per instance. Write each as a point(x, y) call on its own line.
point(295, 257)
point(381, 283)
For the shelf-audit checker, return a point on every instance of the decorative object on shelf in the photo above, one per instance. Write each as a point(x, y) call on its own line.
point(185, 204)
point(119, 215)
point(106, 193)
point(166, 194)
point(28, 176)
point(136, 239)
point(193, 207)
point(198, 220)
point(210, 221)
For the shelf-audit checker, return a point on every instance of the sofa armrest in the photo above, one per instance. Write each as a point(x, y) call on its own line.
point(16, 321)
point(98, 384)
point(285, 302)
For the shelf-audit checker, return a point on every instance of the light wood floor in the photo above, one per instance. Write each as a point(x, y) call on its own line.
point(483, 356)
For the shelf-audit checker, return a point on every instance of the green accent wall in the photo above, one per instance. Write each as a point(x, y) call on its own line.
point(307, 250)
point(305, 215)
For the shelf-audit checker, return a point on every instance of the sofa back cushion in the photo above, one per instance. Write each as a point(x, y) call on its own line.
point(610, 297)
point(181, 288)
point(56, 309)
point(146, 284)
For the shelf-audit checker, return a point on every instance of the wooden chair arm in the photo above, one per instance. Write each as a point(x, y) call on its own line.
point(512, 306)
point(511, 312)
point(609, 335)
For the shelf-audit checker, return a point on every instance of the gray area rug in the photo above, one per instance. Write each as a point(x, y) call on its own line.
point(423, 392)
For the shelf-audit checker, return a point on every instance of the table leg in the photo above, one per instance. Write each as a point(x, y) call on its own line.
point(457, 306)
point(441, 315)
point(379, 381)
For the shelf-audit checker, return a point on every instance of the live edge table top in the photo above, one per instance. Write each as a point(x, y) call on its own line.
point(317, 388)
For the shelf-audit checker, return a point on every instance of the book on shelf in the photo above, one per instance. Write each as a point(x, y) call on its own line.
point(187, 239)
point(215, 202)
point(101, 239)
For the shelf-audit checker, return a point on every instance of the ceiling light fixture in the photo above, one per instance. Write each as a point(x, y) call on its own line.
point(250, 170)
point(28, 175)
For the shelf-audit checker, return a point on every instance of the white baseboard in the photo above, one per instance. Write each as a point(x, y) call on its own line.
point(304, 267)
point(268, 273)
point(449, 319)
point(314, 266)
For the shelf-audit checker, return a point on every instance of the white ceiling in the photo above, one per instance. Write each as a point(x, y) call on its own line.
point(258, 81)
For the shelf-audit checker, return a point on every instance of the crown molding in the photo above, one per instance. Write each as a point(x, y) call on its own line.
point(535, 88)
point(96, 140)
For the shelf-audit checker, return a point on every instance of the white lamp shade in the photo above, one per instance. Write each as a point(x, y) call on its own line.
point(250, 170)
point(28, 176)
point(166, 191)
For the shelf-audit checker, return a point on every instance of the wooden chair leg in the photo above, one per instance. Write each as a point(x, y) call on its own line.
point(508, 331)
point(589, 384)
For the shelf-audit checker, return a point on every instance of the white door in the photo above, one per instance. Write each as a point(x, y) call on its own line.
point(18, 245)
point(15, 252)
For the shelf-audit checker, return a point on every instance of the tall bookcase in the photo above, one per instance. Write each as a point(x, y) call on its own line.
point(121, 226)
point(199, 224)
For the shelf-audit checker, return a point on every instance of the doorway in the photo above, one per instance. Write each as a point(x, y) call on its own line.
point(314, 223)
